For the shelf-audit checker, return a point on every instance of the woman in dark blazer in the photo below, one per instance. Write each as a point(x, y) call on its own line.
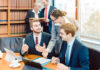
point(34, 13)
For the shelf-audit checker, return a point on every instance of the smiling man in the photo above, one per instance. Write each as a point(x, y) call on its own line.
point(35, 41)
point(73, 55)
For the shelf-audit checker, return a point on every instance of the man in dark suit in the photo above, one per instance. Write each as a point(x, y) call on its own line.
point(35, 41)
point(45, 13)
point(73, 55)
point(34, 13)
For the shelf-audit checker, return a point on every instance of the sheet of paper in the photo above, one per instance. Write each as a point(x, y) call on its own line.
point(10, 55)
point(42, 61)
point(1, 54)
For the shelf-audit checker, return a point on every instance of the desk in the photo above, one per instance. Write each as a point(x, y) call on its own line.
point(4, 65)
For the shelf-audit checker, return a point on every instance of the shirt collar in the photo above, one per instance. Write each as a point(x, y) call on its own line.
point(72, 42)
point(34, 11)
point(39, 35)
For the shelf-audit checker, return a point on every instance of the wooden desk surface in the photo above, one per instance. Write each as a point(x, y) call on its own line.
point(4, 65)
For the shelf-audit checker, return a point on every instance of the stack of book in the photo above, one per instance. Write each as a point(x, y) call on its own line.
point(18, 15)
point(21, 3)
point(3, 3)
point(17, 29)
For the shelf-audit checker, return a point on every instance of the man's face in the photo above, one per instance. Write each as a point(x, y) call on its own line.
point(45, 3)
point(36, 27)
point(64, 36)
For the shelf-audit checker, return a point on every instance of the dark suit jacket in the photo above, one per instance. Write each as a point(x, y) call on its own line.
point(42, 16)
point(30, 14)
point(79, 59)
point(30, 42)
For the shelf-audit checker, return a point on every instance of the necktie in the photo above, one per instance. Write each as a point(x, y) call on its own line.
point(46, 13)
point(36, 40)
point(67, 55)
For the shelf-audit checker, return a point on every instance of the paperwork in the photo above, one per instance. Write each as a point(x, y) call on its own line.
point(42, 61)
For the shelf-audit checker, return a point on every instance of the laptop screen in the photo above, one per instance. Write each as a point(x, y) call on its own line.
point(30, 65)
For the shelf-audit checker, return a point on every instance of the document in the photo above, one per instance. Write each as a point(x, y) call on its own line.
point(10, 55)
point(1, 54)
point(42, 61)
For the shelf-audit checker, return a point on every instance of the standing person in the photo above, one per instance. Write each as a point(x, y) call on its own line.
point(74, 54)
point(58, 18)
point(34, 13)
point(45, 13)
point(35, 41)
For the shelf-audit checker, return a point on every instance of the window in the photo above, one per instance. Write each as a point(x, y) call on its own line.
point(66, 5)
point(89, 18)
point(88, 14)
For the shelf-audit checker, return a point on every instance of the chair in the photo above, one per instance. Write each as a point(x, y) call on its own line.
point(11, 43)
point(94, 59)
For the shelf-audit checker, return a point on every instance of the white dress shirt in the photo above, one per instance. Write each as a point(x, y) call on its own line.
point(70, 49)
point(36, 14)
point(39, 38)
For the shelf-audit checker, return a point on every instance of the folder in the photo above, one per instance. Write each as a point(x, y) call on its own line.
point(39, 19)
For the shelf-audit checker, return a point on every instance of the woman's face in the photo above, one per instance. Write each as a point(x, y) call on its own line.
point(55, 20)
point(36, 8)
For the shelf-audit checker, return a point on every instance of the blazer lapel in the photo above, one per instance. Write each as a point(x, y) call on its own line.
point(72, 51)
point(32, 39)
point(49, 11)
point(42, 40)
point(32, 14)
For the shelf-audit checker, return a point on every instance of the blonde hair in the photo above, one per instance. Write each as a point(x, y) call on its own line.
point(69, 28)
point(36, 4)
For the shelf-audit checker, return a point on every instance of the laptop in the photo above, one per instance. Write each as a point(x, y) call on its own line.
point(31, 65)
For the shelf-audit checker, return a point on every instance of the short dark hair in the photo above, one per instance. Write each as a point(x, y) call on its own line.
point(33, 20)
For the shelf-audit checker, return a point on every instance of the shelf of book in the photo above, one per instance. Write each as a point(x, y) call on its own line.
point(18, 35)
point(12, 17)
point(17, 22)
point(3, 8)
point(4, 35)
point(21, 8)
point(3, 22)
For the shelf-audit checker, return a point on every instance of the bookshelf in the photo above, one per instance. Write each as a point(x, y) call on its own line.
point(12, 17)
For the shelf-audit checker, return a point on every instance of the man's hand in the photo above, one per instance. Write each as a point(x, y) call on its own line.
point(45, 53)
point(61, 66)
point(40, 48)
point(47, 20)
point(55, 60)
point(25, 48)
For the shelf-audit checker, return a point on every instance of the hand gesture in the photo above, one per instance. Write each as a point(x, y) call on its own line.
point(40, 48)
point(45, 53)
point(25, 48)
point(55, 60)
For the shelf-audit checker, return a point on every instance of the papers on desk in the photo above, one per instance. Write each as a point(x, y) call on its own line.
point(10, 55)
point(1, 54)
point(42, 61)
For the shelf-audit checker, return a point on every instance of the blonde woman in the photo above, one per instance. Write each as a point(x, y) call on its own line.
point(34, 13)
point(58, 17)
